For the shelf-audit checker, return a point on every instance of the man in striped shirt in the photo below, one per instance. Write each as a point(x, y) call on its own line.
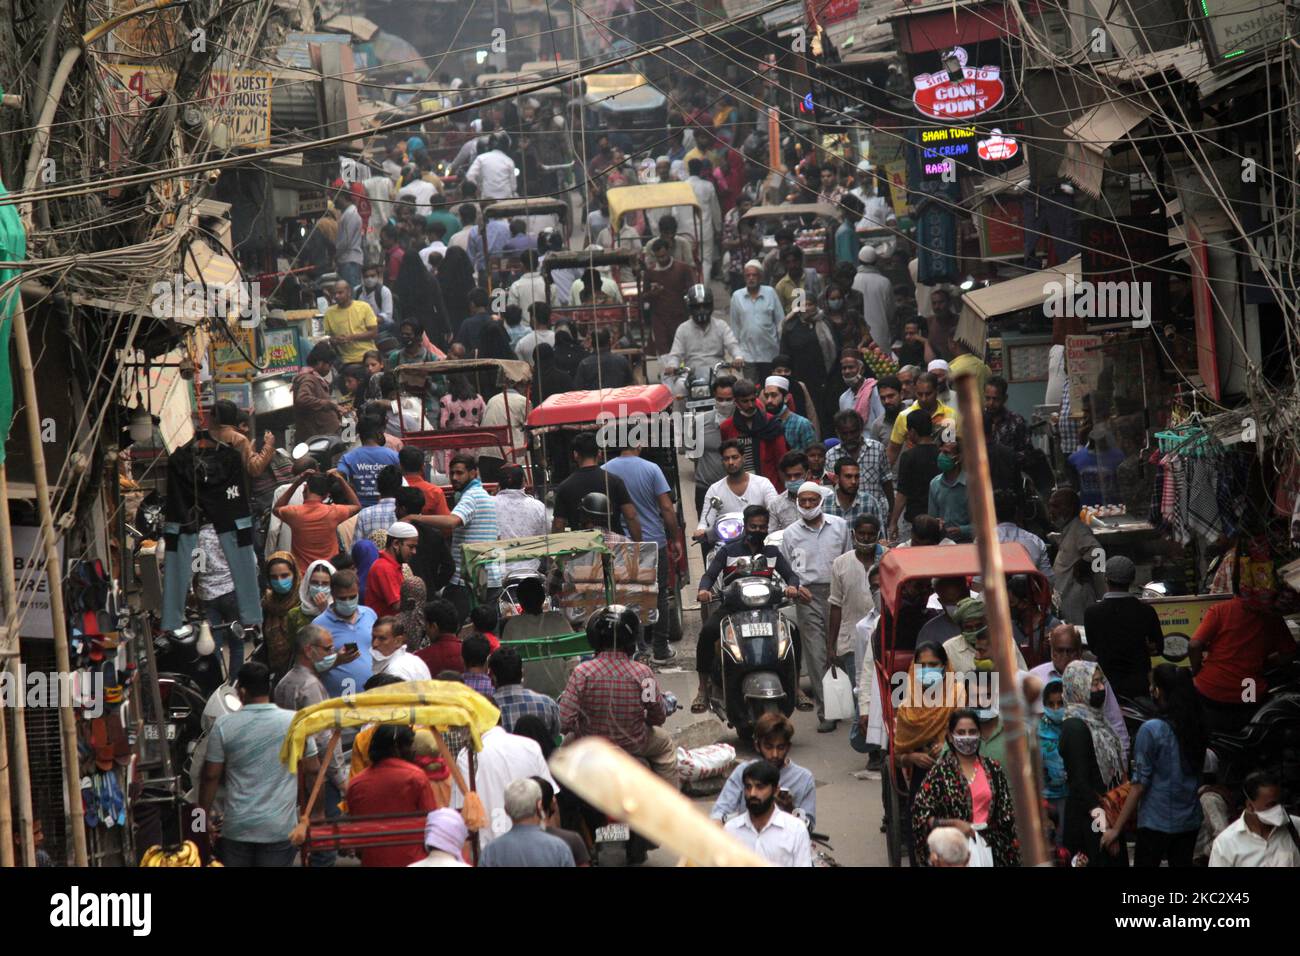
point(473, 519)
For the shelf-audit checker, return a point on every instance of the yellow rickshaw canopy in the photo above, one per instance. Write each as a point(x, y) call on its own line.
point(625, 199)
point(438, 704)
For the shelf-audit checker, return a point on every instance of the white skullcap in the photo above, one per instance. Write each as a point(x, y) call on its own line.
point(780, 381)
point(663, 159)
point(937, 365)
point(809, 486)
point(867, 255)
point(753, 264)
point(402, 529)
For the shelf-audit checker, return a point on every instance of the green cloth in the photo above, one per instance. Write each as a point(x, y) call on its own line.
point(447, 219)
point(13, 246)
point(969, 611)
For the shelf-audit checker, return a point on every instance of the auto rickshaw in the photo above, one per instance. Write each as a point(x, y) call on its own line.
point(420, 425)
point(625, 319)
point(661, 199)
point(441, 706)
point(637, 416)
point(814, 225)
point(894, 642)
point(539, 215)
point(625, 107)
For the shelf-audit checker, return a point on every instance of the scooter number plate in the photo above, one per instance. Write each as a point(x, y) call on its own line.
point(756, 630)
point(151, 732)
point(612, 833)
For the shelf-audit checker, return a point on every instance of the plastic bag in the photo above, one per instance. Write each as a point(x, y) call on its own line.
point(837, 692)
point(980, 854)
point(704, 762)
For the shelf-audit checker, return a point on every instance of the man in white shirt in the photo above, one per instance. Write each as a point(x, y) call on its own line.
point(377, 295)
point(1006, 506)
point(519, 514)
point(503, 759)
point(1265, 835)
point(777, 836)
point(703, 341)
point(811, 545)
point(735, 492)
point(542, 333)
point(877, 298)
point(506, 408)
point(493, 172)
point(710, 214)
point(388, 653)
point(421, 193)
point(529, 287)
point(468, 216)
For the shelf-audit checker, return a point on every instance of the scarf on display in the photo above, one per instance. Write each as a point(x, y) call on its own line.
point(1077, 682)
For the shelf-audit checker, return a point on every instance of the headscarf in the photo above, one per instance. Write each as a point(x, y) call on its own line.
point(548, 378)
point(411, 612)
point(304, 595)
point(456, 275)
point(916, 725)
point(275, 609)
point(445, 830)
point(364, 554)
point(1077, 682)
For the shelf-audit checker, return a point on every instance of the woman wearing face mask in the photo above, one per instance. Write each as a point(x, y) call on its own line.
point(930, 697)
point(1094, 763)
point(1168, 755)
point(277, 603)
point(969, 792)
point(313, 597)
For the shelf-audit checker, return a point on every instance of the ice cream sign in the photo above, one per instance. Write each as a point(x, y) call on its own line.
point(941, 97)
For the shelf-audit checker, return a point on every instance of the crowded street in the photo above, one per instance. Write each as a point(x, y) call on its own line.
point(644, 435)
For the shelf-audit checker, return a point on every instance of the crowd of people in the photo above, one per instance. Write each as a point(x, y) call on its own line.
point(832, 421)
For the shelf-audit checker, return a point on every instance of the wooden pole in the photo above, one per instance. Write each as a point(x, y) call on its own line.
point(22, 775)
point(979, 493)
point(53, 574)
point(8, 591)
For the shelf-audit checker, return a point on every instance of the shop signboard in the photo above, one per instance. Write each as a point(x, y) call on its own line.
point(936, 237)
point(938, 96)
point(238, 102)
point(232, 349)
point(33, 586)
point(1179, 618)
point(280, 352)
point(1001, 224)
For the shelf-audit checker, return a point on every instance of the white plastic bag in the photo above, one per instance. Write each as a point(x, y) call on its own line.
point(837, 692)
point(980, 854)
point(704, 762)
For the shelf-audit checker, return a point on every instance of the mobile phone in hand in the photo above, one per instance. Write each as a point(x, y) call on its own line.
point(350, 647)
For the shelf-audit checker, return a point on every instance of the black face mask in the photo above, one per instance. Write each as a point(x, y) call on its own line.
point(756, 538)
point(1097, 698)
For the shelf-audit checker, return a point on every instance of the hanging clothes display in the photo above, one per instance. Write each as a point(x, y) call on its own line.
point(207, 485)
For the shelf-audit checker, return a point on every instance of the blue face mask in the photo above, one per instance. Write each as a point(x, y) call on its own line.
point(281, 585)
point(326, 662)
point(931, 674)
point(1054, 714)
point(793, 486)
point(346, 608)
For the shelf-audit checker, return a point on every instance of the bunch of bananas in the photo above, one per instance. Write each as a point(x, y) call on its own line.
point(186, 856)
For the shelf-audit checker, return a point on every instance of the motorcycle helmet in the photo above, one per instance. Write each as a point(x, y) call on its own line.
point(699, 303)
point(615, 626)
point(595, 506)
point(499, 141)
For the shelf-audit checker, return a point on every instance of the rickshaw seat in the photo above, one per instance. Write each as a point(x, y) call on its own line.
point(364, 833)
point(526, 627)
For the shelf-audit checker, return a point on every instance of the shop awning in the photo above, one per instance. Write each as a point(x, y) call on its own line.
point(1093, 136)
point(1014, 295)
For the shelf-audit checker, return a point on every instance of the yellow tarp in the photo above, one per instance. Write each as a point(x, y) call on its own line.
point(430, 703)
point(625, 199)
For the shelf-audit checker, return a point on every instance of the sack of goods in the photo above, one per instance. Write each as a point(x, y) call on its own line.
point(715, 760)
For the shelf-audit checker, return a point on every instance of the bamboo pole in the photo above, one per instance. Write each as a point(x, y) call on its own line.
point(54, 574)
point(9, 596)
point(22, 775)
point(979, 493)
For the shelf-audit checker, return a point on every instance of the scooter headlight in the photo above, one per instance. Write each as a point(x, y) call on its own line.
point(782, 638)
point(755, 594)
point(729, 641)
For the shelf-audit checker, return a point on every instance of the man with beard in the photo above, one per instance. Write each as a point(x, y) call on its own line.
point(890, 392)
point(799, 432)
point(873, 468)
point(859, 391)
point(756, 317)
point(735, 491)
point(942, 326)
point(877, 298)
point(669, 280)
point(778, 837)
point(762, 438)
point(798, 395)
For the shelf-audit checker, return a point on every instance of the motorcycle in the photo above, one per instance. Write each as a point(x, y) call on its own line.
point(694, 386)
point(755, 672)
point(326, 449)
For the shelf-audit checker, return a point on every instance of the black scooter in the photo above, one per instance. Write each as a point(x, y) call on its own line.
point(755, 672)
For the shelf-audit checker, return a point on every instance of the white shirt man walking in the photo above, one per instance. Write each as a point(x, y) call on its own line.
point(778, 837)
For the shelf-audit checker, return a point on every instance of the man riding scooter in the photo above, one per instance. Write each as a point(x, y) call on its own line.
point(751, 545)
point(701, 343)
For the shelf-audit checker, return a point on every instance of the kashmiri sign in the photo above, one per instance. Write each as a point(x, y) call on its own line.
point(979, 90)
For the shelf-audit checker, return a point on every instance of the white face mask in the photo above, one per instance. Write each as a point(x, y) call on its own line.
point(810, 514)
point(381, 661)
point(371, 282)
point(1274, 816)
point(724, 410)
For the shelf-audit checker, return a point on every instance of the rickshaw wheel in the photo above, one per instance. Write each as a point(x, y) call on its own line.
point(893, 823)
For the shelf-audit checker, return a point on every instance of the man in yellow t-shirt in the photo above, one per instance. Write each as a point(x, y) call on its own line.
point(927, 397)
point(351, 325)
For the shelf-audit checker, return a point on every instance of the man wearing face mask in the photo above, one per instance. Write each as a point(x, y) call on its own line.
point(873, 466)
point(1264, 834)
point(349, 623)
point(756, 531)
point(784, 507)
point(374, 293)
point(389, 654)
point(799, 432)
point(949, 592)
point(762, 438)
point(302, 688)
point(704, 341)
point(970, 651)
point(850, 598)
point(706, 451)
point(949, 501)
point(811, 546)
